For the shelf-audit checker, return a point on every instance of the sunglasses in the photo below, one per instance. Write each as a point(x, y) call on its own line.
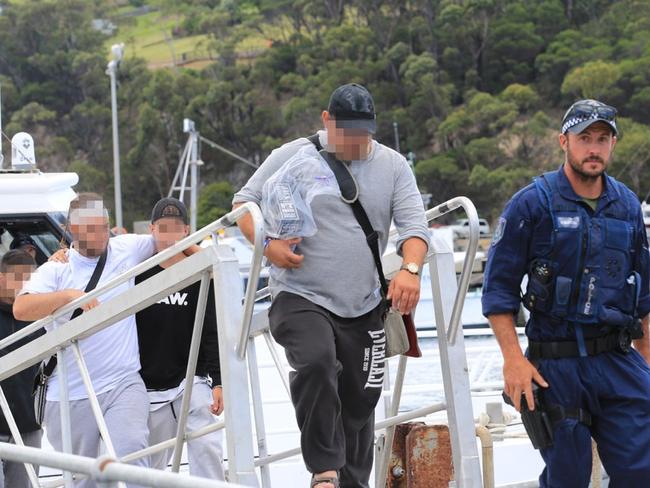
point(586, 111)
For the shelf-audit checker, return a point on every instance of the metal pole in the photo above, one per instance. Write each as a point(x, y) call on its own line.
point(186, 165)
point(386, 387)
point(169, 443)
point(396, 134)
point(15, 433)
point(228, 152)
point(191, 369)
point(284, 375)
point(234, 374)
point(105, 469)
point(382, 469)
point(92, 399)
point(178, 171)
point(278, 456)
point(453, 361)
point(258, 411)
point(112, 73)
point(64, 411)
point(398, 419)
point(194, 178)
point(413, 414)
point(468, 264)
point(253, 279)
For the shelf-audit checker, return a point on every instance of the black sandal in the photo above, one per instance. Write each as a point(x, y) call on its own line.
point(329, 479)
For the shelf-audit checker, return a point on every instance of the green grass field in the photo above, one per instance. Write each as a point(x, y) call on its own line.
point(149, 36)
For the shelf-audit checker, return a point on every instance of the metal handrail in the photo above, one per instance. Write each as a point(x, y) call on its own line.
point(465, 275)
point(106, 469)
point(453, 204)
point(168, 253)
point(381, 425)
point(225, 221)
point(253, 278)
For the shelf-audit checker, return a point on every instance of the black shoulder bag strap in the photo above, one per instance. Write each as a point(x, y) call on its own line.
point(350, 194)
point(315, 140)
point(92, 284)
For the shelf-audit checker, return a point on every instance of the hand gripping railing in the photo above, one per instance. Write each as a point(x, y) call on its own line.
point(225, 221)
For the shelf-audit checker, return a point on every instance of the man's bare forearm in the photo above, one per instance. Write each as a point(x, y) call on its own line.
point(245, 224)
point(518, 373)
point(35, 306)
point(414, 250)
point(503, 325)
point(193, 249)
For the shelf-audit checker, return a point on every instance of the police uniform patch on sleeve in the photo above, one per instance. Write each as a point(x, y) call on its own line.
point(499, 231)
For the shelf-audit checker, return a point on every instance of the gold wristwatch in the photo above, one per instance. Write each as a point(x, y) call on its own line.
point(412, 268)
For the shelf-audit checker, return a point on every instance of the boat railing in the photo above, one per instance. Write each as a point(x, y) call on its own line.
point(216, 261)
point(238, 328)
point(448, 301)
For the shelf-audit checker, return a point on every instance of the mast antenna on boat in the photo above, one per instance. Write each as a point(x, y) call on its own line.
point(189, 162)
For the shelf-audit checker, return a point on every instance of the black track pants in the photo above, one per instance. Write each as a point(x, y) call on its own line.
point(339, 371)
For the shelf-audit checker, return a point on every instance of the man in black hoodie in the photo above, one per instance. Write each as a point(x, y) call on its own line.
point(15, 268)
point(164, 333)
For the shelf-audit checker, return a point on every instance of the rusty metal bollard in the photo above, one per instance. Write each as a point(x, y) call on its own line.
point(397, 464)
point(420, 457)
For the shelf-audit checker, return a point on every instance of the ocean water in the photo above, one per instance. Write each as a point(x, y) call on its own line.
point(423, 383)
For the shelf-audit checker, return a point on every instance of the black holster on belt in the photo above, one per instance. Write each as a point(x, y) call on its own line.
point(540, 423)
point(537, 423)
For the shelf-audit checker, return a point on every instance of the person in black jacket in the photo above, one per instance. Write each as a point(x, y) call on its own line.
point(15, 268)
point(164, 333)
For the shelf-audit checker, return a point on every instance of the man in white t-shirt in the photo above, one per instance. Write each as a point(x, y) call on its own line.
point(111, 355)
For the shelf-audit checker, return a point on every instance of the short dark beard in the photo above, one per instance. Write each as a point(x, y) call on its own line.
point(577, 167)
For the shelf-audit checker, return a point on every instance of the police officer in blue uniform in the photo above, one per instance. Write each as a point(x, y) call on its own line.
point(578, 236)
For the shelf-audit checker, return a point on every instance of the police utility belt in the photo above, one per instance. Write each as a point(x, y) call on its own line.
point(618, 340)
point(540, 422)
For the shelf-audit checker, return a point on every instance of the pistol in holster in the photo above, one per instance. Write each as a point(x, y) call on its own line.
point(537, 422)
point(541, 422)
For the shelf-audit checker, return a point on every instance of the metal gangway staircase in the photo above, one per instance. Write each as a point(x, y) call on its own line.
point(238, 326)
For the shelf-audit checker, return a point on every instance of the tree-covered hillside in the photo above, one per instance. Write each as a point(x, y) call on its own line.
point(477, 87)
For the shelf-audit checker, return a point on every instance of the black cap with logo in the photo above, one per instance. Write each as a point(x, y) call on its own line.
point(169, 207)
point(352, 107)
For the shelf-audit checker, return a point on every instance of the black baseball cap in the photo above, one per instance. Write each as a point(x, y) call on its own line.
point(21, 240)
point(584, 113)
point(352, 107)
point(169, 207)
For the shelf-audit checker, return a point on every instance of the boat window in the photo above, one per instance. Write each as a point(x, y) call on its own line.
point(43, 231)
